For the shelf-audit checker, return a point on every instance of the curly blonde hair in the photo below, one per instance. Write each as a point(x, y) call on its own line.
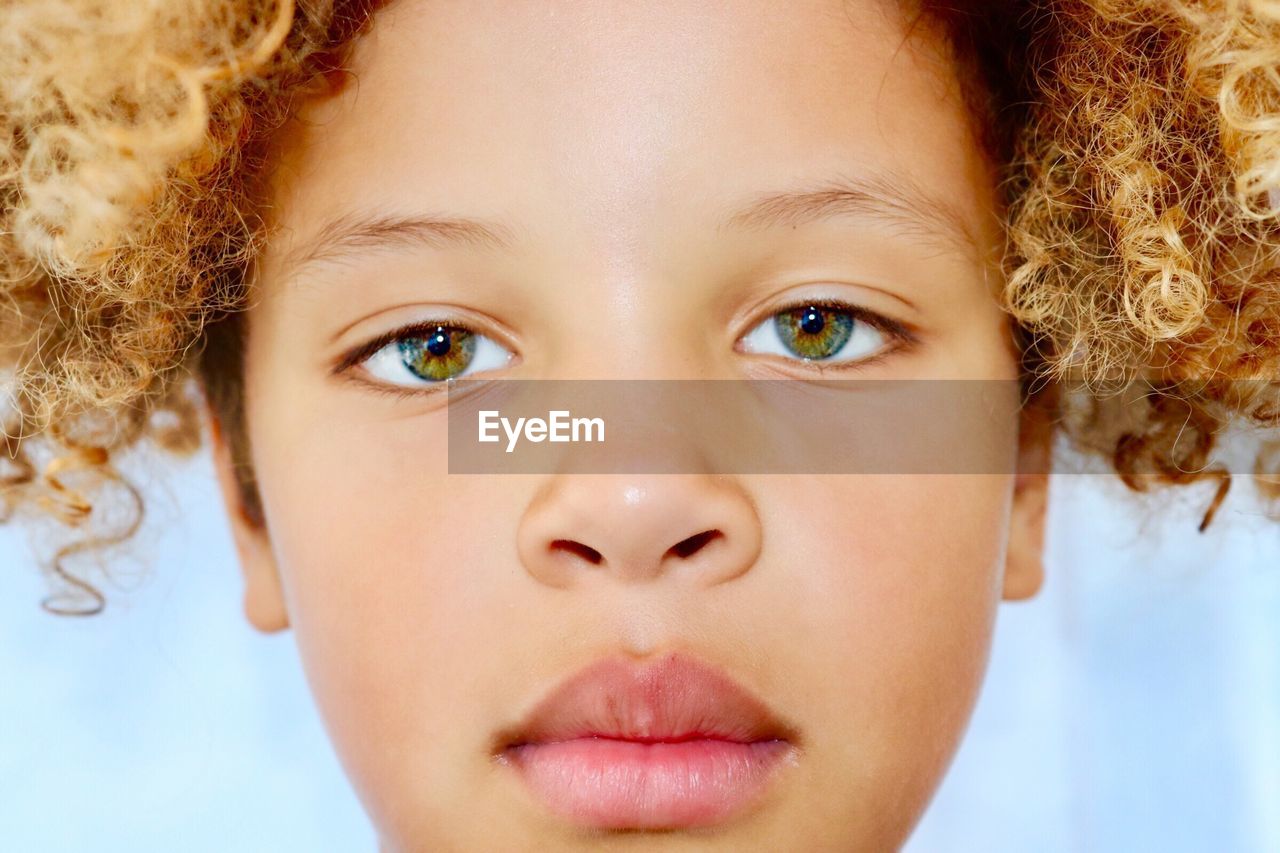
point(1139, 143)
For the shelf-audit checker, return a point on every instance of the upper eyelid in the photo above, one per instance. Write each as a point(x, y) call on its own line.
point(895, 327)
point(364, 351)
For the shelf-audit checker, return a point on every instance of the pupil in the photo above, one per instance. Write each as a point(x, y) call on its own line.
point(812, 322)
point(438, 343)
point(814, 332)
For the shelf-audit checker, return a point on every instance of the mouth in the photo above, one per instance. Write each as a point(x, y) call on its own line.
point(671, 744)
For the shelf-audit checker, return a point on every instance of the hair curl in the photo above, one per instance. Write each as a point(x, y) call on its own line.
point(1139, 143)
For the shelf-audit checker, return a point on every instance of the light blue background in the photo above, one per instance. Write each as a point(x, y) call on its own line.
point(1134, 705)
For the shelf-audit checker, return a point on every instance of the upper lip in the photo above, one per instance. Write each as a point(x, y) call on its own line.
point(672, 699)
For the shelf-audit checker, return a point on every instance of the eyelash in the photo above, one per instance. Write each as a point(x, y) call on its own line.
point(342, 368)
point(902, 336)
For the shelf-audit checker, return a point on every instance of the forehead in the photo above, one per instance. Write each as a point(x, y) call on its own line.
point(612, 124)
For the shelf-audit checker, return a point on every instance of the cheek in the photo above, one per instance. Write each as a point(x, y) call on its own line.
point(397, 578)
point(891, 586)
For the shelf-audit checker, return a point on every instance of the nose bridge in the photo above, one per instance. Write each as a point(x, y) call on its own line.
point(638, 527)
point(629, 314)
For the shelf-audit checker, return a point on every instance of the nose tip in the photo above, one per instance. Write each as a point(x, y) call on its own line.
point(636, 528)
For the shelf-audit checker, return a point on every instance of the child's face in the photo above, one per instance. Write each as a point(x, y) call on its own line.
point(433, 612)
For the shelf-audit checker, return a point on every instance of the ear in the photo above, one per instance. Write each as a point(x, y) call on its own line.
point(264, 603)
point(1024, 563)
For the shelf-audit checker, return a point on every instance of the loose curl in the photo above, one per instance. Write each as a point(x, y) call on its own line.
point(1139, 143)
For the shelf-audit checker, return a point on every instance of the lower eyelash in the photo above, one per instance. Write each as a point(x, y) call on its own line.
point(396, 391)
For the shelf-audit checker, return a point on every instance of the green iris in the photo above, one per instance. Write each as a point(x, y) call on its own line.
point(814, 331)
point(440, 354)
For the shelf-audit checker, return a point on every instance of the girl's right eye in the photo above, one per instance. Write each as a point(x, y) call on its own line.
point(424, 354)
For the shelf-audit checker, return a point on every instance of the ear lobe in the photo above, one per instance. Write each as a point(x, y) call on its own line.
point(264, 604)
point(1024, 562)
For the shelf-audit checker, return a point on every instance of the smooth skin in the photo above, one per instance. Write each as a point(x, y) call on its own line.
point(605, 143)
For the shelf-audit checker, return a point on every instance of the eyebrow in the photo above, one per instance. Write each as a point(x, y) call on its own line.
point(353, 233)
point(896, 201)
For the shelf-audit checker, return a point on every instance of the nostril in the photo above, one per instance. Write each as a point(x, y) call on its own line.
point(586, 552)
point(695, 543)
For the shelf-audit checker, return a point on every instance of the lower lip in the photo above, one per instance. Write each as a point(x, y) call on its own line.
point(615, 784)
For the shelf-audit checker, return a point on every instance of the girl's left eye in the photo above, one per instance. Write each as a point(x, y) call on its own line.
point(428, 353)
point(828, 332)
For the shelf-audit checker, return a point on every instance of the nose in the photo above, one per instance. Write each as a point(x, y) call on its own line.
point(639, 527)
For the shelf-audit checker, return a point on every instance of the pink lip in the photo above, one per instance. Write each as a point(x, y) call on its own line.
point(672, 744)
